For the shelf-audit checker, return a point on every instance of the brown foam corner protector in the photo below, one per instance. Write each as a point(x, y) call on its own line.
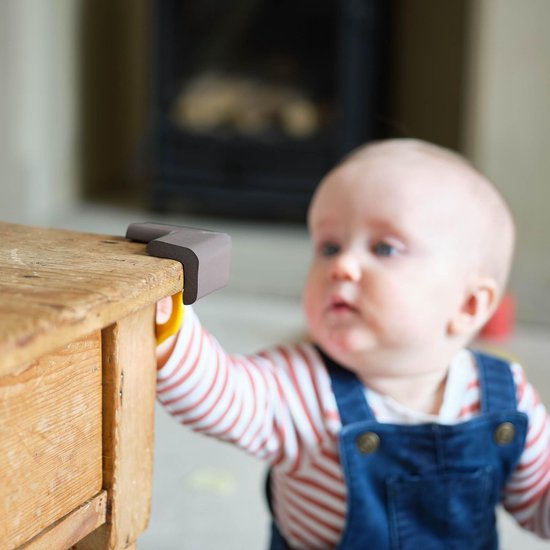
point(205, 255)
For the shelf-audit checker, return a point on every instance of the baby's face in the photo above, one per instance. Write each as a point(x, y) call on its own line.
point(391, 260)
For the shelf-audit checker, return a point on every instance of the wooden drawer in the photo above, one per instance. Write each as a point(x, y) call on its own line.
point(51, 433)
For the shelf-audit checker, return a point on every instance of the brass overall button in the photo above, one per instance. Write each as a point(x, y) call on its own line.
point(505, 433)
point(368, 442)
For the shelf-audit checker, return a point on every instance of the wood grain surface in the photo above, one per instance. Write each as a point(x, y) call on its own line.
point(66, 532)
point(129, 376)
point(57, 285)
point(51, 439)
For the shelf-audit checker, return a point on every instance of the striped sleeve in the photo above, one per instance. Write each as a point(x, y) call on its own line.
point(527, 494)
point(276, 405)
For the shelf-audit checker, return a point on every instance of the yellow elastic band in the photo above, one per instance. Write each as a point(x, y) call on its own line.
point(173, 324)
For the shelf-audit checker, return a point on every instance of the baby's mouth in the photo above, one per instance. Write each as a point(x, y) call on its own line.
point(339, 305)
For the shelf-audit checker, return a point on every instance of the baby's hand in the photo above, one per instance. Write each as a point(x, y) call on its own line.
point(164, 309)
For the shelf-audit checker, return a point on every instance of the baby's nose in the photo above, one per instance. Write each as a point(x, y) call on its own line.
point(346, 267)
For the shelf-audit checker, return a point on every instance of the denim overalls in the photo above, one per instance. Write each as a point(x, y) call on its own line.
point(427, 486)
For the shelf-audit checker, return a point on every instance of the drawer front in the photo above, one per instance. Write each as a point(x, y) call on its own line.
point(50, 439)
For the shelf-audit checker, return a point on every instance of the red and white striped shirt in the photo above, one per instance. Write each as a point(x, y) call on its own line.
point(278, 405)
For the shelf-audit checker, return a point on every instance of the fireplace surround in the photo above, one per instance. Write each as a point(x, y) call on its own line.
point(256, 99)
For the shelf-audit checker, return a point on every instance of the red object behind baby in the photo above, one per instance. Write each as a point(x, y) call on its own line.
point(501, 325)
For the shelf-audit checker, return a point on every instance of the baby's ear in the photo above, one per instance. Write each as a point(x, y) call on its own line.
point(477, 308)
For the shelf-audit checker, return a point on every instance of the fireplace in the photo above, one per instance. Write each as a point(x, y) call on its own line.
point(256, 99)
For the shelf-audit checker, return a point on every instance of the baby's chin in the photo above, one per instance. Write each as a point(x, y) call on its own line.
point(343, 345)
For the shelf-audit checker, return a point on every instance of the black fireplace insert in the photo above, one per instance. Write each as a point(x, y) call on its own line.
point(256, 99)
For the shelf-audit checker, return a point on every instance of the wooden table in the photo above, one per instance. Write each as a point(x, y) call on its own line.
point(77, 387)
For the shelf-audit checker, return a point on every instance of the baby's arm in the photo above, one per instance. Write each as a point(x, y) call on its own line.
point(274, 404)
point(527, 494)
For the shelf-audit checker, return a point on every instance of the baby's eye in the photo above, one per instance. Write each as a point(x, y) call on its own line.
point(329, 249)
point(385, 249)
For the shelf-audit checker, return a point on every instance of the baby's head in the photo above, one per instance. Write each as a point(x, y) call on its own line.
point(413, 248)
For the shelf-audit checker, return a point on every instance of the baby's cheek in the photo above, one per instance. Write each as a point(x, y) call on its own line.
point(308, 314)
point(311, 304)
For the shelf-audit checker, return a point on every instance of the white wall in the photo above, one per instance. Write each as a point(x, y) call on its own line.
point(38, 109)
point(508, 130)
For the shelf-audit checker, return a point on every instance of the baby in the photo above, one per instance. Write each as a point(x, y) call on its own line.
point(386, 431)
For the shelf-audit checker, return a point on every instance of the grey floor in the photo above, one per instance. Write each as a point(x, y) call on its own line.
point(207, 495)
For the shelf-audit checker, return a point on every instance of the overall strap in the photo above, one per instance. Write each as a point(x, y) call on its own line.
point(349, 393)
point(497, 386)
